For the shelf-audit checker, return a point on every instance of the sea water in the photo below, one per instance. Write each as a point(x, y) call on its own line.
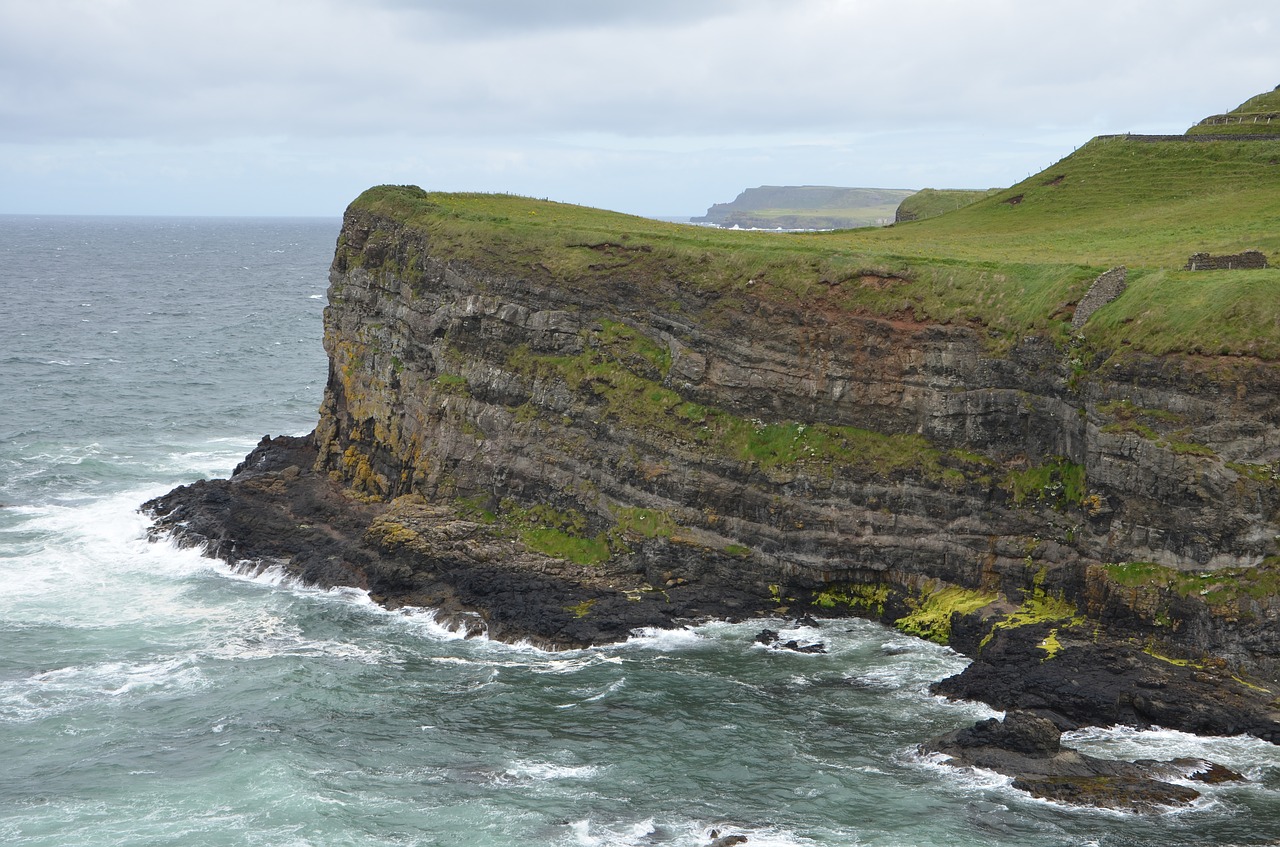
point(149, 696)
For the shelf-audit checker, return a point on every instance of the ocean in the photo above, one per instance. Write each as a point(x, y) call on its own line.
point(150, 696)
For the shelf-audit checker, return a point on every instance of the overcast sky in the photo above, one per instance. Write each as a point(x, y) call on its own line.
point(654, 107)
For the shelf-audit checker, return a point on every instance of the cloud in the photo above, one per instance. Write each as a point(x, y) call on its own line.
point(490, 16)
point(562, 79)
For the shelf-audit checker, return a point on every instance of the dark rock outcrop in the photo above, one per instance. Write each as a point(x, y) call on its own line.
point(1108, 682)
point(1029, 749)
point(276, 511)
point(770, 638)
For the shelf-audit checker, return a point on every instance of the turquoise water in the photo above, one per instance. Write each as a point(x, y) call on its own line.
point(149, 696)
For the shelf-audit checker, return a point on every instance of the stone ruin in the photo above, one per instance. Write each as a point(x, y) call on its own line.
point(1105, 288)
point(1248, 260)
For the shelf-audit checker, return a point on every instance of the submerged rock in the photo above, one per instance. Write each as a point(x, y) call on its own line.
point(771, 638)
point(1028, 748)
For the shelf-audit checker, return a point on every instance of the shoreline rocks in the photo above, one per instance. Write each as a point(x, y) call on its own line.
point(1029, 749)
point(276, 509)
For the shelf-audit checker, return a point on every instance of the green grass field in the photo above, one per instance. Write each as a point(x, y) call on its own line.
point(1014, 262)
point(1118, 201)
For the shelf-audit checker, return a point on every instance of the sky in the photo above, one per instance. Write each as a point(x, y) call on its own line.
point(651, 107)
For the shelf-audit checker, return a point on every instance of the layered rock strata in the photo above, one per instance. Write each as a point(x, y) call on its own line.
point(644, 442)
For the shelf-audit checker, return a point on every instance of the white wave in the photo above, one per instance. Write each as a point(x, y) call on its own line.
point(586, 659)
point(67, 456)
point(963, 777)
point(427, 622)
point(612, 687)
point(89, 563)
point(200, 464)
point(593, 696)
point(653, 638)
point(1250, 756)
point(911, 673)
point(58, 690)
point(650, 831)
point(504, 656)
point(272, 574)
point(585, 833)
point(268, 636)
point(543, 771)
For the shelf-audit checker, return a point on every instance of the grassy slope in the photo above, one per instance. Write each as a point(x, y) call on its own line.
point(1118, 201)
point(1268, 101)
point(1147, 206)
point(931, 202)
point(1256, 116)
point(1011, 267)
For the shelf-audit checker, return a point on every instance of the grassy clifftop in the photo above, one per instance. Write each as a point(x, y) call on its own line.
point(1258, 115)
point(1118, 200)
point(1014, 262)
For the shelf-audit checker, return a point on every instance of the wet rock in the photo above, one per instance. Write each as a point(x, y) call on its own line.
point(1131, 793)
point(1020, 732)
point(1110, 682)
point(1028, 748)
point(1212, 773)
point(409, 553)
point(770, 638)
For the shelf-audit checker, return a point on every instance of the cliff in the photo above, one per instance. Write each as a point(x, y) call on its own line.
point(555, 423)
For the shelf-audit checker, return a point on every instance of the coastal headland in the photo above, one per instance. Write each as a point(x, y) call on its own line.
point(1022, 428)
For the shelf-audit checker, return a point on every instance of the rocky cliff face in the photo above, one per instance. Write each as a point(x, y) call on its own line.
point(828, 444)
point(813, 457)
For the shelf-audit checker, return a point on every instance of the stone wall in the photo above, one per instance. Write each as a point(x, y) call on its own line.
point(1105, 288)
point(1248, 260)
